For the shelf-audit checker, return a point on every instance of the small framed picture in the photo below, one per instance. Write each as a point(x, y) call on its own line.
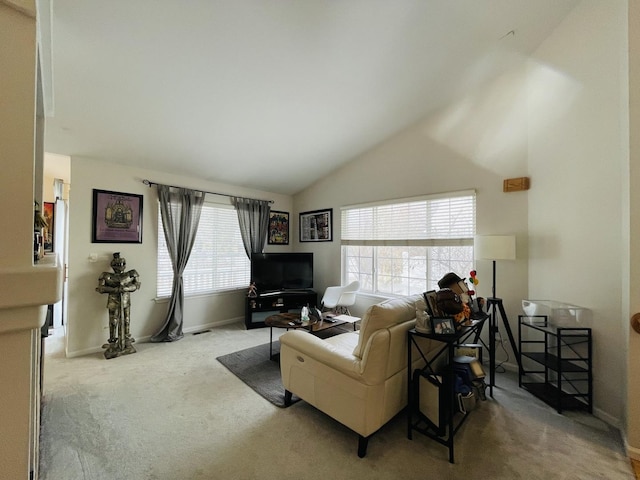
point(432, 304)
point(278, 228)
point(117, 217)
point(316, 226)
point(443, 325)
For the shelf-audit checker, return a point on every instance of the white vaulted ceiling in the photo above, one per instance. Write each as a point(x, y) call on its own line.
point(291, 89)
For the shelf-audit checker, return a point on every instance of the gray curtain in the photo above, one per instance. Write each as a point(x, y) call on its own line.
point(253, 217)
point(180, 209)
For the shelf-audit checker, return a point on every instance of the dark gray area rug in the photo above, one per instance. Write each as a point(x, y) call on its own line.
point(254, 367)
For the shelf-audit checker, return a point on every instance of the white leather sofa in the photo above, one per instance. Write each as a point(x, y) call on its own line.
point(357, 378)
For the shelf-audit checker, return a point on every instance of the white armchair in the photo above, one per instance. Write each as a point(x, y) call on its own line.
point(357, 378)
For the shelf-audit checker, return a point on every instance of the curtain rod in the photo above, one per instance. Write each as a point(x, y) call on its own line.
point(149, 183)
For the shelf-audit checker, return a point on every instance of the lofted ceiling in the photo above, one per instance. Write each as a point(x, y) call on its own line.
point(268, 94)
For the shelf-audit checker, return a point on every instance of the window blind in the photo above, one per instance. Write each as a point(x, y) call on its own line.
point(405, 246)
point(425, 221)
point(218, 260)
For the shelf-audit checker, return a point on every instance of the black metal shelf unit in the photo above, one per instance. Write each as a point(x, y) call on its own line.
point(556, 363)
point(438, 372)
point(257, 309)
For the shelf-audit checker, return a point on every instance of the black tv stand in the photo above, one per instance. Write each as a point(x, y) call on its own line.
point(257, 309)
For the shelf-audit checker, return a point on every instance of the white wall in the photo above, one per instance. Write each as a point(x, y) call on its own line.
point(18, 325)
point(87, 327)
point(448, 152)
point(561, 120)
point(577, 149)
point(632, 210)
point(25, 288)
point(55, 167)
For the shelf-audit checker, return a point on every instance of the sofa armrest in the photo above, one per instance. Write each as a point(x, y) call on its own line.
point(341, 360)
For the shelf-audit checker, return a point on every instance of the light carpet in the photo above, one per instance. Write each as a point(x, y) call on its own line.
point(172, 411)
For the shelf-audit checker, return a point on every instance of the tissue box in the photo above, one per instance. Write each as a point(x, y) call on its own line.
point(558, 313)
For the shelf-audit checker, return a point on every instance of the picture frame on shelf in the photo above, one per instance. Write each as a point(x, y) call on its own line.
point(443, 326)
point(316, 226)
point(48, 212)
point(278, 228)
point(432, 304)
point(117, 217)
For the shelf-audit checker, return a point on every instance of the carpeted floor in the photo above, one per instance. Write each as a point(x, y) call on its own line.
point(172, 411)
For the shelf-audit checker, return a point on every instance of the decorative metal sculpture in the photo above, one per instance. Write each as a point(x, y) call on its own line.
point(119, 285)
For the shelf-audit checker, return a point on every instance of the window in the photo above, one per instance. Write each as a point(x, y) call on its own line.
point(218, 260)
point(405, 247)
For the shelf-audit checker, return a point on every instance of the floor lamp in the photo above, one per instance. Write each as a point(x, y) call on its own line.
point(496, 247)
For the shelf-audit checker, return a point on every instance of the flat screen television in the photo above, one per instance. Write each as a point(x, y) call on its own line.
point(274, 272)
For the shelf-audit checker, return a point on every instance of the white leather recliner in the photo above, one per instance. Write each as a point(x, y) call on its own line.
point(357, 378)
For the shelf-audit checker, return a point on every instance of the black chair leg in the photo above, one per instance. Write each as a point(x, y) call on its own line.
point(287, 398)
point(362, 445)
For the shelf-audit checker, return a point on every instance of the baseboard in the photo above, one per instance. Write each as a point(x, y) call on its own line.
point(86, 351)
point(147, 339)
point(219, 323)
point(608, 419)
point(632, 452)
point(598, 413)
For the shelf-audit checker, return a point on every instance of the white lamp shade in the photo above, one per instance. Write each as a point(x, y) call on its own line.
point(495, 247)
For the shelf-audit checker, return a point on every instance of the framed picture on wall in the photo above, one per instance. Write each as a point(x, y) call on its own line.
point(117, 217)
point(316, 226)
point(48, 213)
point(278, 228)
